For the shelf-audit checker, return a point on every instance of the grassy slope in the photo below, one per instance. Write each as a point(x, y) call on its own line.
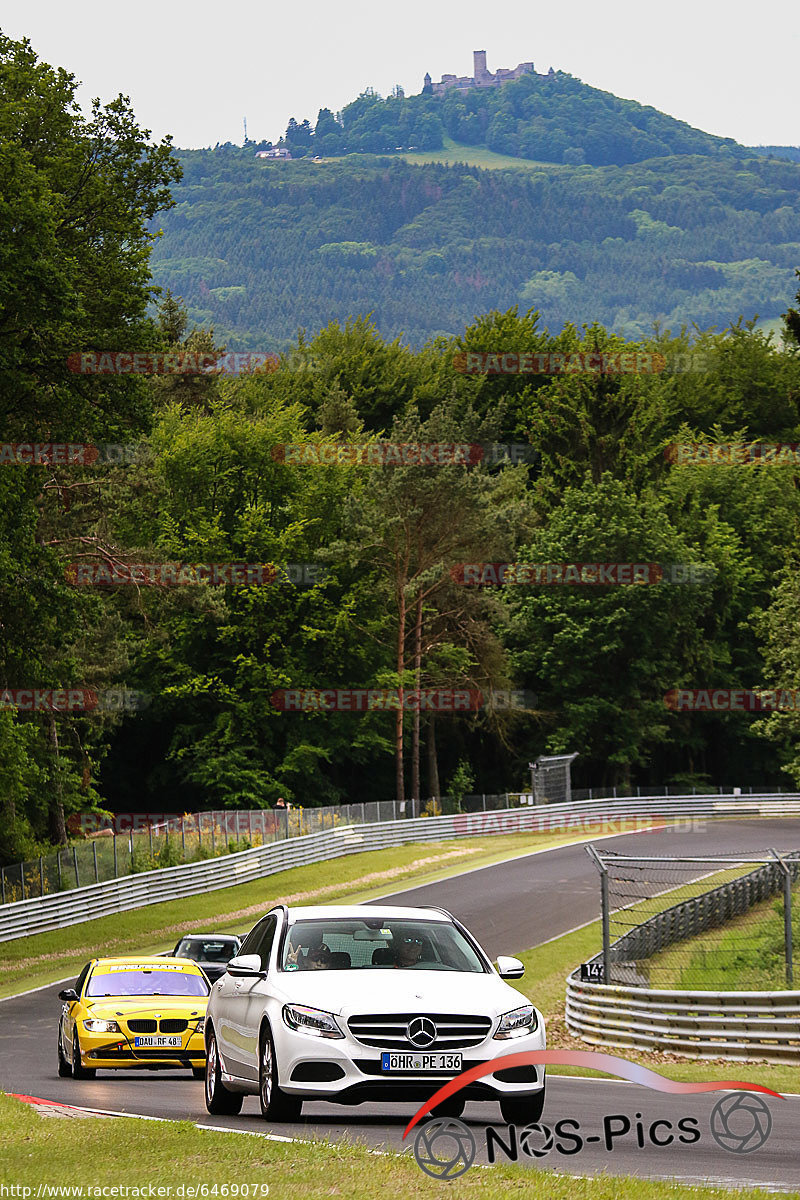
point(473, 156)
point(97, 1152)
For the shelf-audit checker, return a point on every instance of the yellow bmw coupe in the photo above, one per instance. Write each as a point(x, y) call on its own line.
point(133, 1012)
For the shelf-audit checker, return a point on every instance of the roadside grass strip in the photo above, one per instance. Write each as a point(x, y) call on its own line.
point(66, 1158)
point(745, 954)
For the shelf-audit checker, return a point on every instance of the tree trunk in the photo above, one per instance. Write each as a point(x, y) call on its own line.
point(58, 826)
point(433, 761)
point(400, 786)
point(415, 789)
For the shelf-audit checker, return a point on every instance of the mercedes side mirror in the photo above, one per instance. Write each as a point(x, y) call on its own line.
point(68, 995)
point(245, 966)
point(510, 968)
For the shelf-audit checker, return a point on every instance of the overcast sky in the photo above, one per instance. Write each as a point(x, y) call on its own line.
point(194, 68)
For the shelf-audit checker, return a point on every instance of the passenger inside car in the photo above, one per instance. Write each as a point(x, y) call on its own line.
point(309, 954)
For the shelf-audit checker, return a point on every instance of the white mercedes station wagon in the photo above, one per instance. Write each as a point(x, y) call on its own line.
point(367, 1002)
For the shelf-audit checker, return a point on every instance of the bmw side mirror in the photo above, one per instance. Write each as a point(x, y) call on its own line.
point(246, 966)
point(68, 995)
point(510, 968)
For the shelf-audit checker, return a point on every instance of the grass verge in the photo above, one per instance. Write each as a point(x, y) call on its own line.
point(46, 957)
point(453, 153)
point(94, 1152)
point(746, 954)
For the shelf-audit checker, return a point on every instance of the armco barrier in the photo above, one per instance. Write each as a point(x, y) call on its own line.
point(738, 1026)
point(590, 818)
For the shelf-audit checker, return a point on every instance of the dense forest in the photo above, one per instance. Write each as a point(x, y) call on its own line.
point(259, 248)
point(208, 480)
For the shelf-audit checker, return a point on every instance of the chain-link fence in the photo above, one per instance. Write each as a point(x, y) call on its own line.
point(109, 853)
point(719, 923)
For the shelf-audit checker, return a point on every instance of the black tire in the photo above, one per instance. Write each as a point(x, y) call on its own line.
point(219, 1100)
point(522, 1110)
point(275, 1104)
point(198, 1072)
point(78, 1070)
point(453, 1106)
point(64, 1069)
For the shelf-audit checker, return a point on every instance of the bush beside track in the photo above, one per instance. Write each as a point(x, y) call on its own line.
point(101, 1152)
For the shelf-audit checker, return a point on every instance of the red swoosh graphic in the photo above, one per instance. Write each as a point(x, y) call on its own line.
point(610, 1063)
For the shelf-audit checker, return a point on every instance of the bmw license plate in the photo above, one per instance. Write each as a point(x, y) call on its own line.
point(420, 1062)
point(159, 1042)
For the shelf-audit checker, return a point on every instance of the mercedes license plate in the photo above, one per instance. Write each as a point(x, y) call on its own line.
point(420, 1062)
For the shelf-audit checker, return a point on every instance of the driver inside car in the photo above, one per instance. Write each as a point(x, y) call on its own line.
point(407, 950)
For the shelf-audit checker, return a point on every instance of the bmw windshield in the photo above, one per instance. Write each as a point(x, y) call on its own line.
point(347, 944)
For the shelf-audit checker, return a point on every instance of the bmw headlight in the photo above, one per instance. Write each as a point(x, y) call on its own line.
point(95, 1025)
point(518, 1022)
point(200, 1026)
point(311, 1020)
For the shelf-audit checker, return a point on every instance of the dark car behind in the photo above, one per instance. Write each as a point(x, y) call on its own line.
point(211, 950)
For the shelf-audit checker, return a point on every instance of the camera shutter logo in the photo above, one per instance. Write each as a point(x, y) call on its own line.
point(444, 1148)
point(421, 1032)
point(741, 1122)
point(536, 1140)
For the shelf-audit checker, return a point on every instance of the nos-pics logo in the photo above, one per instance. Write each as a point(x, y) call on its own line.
point(445, 1147)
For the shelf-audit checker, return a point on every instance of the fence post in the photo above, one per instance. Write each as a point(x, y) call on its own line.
point(75, 864)
point(94, 852)
point(598, 862)
point(213, 835)
point(3, 882)
point(150, 832)
point(22, 879)
point(58, 864)
point(787, 918)
point(483, 794)
point(250, 825)
point(114, 839)
point(41, 875)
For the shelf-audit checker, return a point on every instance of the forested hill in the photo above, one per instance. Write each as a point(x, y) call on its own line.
point(259, 248)
point(550, 118)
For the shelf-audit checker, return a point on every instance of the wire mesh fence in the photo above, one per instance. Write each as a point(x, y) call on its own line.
point(719, 923)
point(136, 842)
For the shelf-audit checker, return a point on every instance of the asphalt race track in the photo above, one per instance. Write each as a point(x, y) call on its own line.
point(509, 907)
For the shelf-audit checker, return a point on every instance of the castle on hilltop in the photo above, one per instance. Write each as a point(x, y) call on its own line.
point(482, 76)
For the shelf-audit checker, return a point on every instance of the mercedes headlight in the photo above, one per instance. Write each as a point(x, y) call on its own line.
point(311, 1020)
point(95, 1025)
point(518, 1022)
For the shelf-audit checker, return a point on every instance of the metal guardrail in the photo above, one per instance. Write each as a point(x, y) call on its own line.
point(738, 1026)
point(591, 818)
